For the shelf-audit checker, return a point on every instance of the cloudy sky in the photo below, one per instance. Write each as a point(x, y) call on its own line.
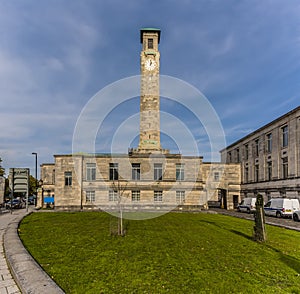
point(243, 56)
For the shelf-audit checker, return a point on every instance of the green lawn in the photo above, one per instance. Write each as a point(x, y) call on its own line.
point(174, 253)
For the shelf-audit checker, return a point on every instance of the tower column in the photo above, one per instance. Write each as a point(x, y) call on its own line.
point(149, 100)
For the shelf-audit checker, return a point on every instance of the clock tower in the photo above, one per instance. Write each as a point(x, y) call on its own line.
point(149, 100)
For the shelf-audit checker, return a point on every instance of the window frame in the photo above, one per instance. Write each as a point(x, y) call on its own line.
point(237, 154)
point(68, 178)
point(136, 171)
point(285, 136)
point(90, 196)
point(158, 172)
point(150, 43)
point(285, 167)
point(113, 195)
point(91, 172)
point(179, 172)
point(158, 196)
point(256, 172)
point(246, 174)
point(269, 170)
point(256, 146)
point(269, 142)
point(113, 171)
point(180, 196)
point(217, 176)
point(135, 195)
point(247, 151)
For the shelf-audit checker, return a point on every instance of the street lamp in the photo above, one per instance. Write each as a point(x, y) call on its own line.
point(36, 180)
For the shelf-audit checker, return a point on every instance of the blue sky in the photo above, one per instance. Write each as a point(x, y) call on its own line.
point(244, 56)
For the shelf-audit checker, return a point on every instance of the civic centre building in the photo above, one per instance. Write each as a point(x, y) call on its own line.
point(144, 178)
point(148, 177)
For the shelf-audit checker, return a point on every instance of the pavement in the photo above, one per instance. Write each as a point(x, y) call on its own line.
point(19, 272)
point(286, 223)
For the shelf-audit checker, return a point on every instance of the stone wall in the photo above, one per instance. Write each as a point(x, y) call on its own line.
point(200, 184)
point(255, 167)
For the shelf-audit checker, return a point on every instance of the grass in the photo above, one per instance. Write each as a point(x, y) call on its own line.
point(174, 253)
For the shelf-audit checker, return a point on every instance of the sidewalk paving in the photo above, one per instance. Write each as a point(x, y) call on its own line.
point(19, 272)
point(7, 283)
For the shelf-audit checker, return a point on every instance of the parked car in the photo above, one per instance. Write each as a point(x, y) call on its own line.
point(281, 207)
point(247, 205)
point(15, 203)
point(296, 216)
point(31, 199)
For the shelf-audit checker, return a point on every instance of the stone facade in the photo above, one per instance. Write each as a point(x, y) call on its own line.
point(149, 99)
point(146, 183)
point(269, 158)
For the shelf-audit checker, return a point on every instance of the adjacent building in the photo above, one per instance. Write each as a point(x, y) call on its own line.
point(269, 158)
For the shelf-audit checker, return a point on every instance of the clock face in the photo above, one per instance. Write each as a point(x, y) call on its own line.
point(150, 64)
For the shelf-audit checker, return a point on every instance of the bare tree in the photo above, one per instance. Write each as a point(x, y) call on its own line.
point(120, 188)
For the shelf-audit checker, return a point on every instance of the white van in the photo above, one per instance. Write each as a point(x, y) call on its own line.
point(281, 207)
point(247, 205)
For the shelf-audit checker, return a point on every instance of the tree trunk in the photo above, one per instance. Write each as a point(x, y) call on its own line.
point(259, 217)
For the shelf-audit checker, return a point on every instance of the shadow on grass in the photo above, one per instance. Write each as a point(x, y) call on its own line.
point(288, 260)
point(232, 231)
point(242, 234)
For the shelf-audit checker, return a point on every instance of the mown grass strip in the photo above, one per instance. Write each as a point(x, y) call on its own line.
point(174, 253)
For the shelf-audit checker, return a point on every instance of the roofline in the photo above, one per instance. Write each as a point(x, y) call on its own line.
point(155, 30)
point(263, 127)
point(125, 155)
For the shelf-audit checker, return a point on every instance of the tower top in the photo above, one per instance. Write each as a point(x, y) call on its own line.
point(150, 30)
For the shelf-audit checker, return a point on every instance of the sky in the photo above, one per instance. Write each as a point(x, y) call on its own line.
point(242, 55)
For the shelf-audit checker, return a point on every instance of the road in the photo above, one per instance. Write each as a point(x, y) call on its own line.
point(281, 222)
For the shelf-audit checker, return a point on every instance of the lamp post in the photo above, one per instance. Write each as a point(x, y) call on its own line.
point(36, 180)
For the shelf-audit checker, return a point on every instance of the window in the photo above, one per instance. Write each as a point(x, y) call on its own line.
point(157, 171)
point(158, 196)
point(285, 167)
point(269, 143)
point(90, 196)
point(90, 171)
point(179, 172)
point(136, 171)
point(113, 171)
point(256, 173)
point(216, 176)
point(135, 196)
point(180, 197)
point(113, 195)
point(256, 146)
point(246, 151)
point(237, 154)
point(68, 178)
point(229, 157)
point(246, 174)
point(269, 170)
point(150, 43)
point(285, 136)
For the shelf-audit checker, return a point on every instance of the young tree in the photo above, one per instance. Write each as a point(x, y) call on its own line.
point(120, 189)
